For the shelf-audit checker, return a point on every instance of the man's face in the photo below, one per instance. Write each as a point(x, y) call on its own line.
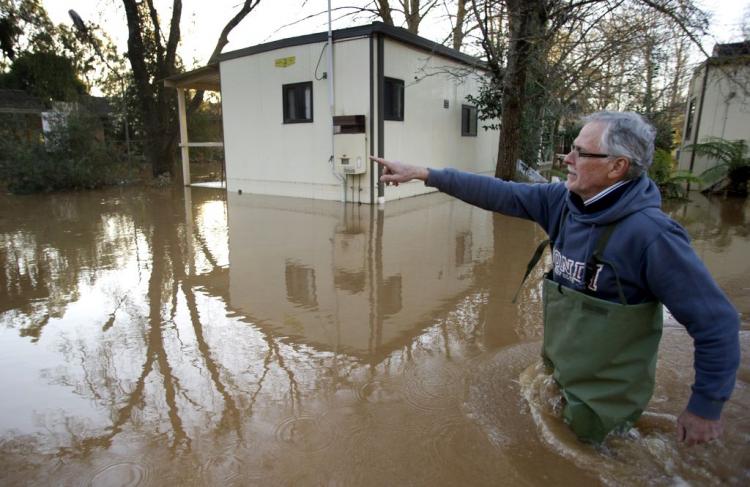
point(587, 176)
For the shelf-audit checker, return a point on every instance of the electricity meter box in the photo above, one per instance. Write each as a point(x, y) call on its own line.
point(350, 144)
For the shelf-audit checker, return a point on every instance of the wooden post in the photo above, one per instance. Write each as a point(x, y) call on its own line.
point(184, 149)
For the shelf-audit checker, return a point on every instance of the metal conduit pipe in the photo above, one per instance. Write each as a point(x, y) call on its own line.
point(332, 100)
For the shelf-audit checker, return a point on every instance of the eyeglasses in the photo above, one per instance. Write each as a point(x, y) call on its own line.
point(592, 155)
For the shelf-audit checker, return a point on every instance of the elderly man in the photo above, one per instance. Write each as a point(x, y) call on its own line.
point(616, 258)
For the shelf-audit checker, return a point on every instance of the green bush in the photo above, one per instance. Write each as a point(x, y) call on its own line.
point(75, 155)
point(732, 164)
point(670, 181)
point(662, 166)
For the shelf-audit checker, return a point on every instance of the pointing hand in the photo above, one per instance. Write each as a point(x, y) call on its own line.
point(395, 172)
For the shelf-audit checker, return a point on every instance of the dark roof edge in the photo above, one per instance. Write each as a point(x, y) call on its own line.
point(188, 74)
point(741, 48)
point(396, 33)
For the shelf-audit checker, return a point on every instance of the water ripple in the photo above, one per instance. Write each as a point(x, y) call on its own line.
point(433, 389)
point(378, 392)
point(304, 433)
point(231, 467)
point(123, 474)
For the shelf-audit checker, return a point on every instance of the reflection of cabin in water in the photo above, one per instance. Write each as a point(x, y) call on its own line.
point(340, 278)
point(718, 102)
point(395, 95)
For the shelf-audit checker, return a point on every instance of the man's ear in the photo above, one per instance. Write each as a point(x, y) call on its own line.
point(620, 168)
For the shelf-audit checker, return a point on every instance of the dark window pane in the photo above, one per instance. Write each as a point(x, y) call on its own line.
point(308, 102)
point(393, 99)
point(297, 102)
point(468, 120)
point(291, 108)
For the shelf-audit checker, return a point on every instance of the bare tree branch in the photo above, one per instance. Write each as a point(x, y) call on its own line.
point(247, 7)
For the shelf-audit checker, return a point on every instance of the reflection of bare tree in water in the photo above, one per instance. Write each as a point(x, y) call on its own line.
point(48, 252)
point(168, 278)
point(230, 418)
point(173, 302)
point(161, 245)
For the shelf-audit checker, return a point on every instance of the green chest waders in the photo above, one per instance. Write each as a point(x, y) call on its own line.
point(603, 354)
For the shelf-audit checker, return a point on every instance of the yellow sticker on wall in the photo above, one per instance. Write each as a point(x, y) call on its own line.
point(284, 62)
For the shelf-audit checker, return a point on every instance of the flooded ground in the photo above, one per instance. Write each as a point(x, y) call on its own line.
point(170, 337)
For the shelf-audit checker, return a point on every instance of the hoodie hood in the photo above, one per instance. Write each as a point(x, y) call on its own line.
point(640, 194)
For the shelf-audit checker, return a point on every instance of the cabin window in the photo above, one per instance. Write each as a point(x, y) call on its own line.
point(394, 99)
point(298, 102)
point(690, 119)
point(468, 121)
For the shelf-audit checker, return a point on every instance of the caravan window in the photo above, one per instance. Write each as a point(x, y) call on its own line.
point(690, 118)
point(468, 120)
point(298, 102)
point(394, 99)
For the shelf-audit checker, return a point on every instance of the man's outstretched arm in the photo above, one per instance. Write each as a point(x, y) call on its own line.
point(521, 200)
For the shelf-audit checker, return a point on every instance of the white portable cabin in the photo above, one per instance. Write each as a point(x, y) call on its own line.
point(718, 103)
point(395, 95)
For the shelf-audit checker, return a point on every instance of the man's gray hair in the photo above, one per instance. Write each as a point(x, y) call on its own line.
point(627, 134)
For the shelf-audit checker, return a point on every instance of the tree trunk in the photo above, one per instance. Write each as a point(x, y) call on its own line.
point(458, 29)
point(679, 74)
point(648, 59)
point(247, 7)
point(384, 11)
point(158, 112)
point(555, 147)
point(154, 58)
point(411, 13)
point(527, 21)
point(414, 12)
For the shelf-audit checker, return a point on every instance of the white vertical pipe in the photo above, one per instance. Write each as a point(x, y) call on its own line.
point(332, 99)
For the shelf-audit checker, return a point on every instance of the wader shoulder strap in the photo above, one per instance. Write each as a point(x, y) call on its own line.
point(591, 265)
point(532, 263)
point(540, 250)
point(596, 259)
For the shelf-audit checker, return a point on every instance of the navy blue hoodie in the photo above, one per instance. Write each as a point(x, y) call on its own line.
point(650, 251)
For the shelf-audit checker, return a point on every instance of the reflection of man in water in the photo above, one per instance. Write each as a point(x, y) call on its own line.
point(616, 256)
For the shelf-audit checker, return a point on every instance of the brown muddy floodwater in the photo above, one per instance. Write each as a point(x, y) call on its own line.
point(167, 337)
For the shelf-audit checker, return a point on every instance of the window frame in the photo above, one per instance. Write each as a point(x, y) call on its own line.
point(472, 116)
point(285, 101)
point(388, 99)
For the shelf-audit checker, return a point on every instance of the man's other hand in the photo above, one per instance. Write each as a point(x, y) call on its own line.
point(395, 172)
point(693, 430)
